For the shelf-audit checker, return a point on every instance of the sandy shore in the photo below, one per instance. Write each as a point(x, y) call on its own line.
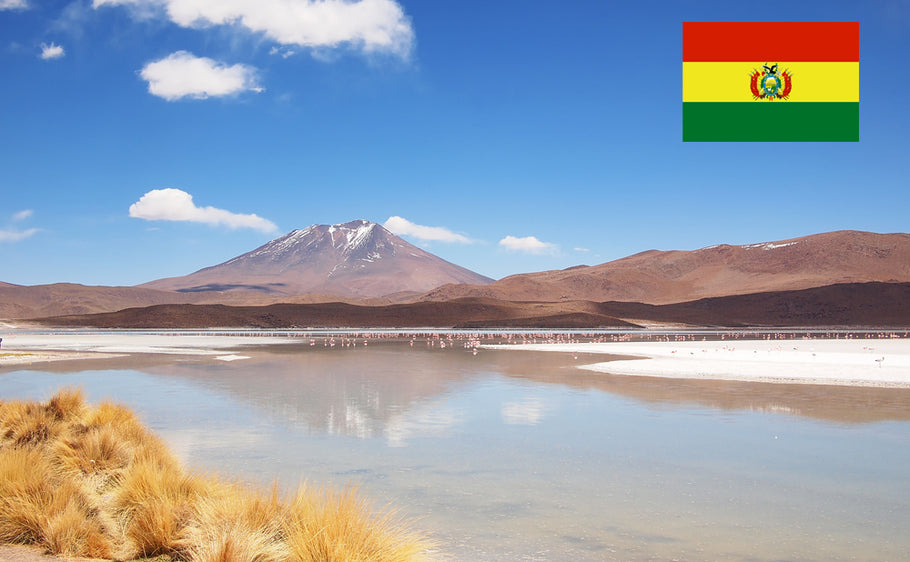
point(858, 362)
point(30, 357)
point(24, 553)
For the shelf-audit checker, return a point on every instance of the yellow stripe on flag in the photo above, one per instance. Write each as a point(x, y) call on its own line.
point(730, 82)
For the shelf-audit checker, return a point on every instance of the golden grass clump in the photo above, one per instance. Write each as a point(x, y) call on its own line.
point(108, 413)
point(25, 424)
point(76, 527)
point(238, 524)
point(156, 506)
point(67, 404)
point(27, 492)
point(40, 508)
point(92, 450)
point(327, 525)
point(92, 481)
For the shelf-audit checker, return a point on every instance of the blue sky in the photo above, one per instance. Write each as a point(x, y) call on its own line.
point(141, 139)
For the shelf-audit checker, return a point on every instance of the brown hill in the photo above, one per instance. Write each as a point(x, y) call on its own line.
point(843, 305)
point(333, 315)
point(60, 299)
point(661, 277)
point(358, 259)
point(19, 301)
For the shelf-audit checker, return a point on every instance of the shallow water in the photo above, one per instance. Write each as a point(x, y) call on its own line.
point(519, 456)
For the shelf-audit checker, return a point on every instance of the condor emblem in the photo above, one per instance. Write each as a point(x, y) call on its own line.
point(769, 85)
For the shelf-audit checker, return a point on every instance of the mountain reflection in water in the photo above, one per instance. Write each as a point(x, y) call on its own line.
point(391, 390)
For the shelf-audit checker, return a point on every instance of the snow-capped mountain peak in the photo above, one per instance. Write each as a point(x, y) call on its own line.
point(349, 236)
point(357, 258)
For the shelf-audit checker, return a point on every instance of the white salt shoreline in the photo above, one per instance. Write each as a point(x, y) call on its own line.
point(851, 362)
point(854, 362)
point(26, 348)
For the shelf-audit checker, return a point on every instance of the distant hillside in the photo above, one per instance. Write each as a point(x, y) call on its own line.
point(661, 277)
point(333, 315)
point(19, 301)
point(844, 305)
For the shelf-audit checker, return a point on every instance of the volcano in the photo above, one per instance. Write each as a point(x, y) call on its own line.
point(358, 259)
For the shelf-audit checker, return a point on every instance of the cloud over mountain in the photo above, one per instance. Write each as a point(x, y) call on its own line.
point(177, 205)
point(403, 227)
point(528, 244)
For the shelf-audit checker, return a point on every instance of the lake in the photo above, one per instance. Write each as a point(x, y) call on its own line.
point(518, 455)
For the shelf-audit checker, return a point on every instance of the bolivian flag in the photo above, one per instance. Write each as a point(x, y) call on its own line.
point(770, 81)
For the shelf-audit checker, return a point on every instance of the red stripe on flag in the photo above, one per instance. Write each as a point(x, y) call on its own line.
point(792, 41)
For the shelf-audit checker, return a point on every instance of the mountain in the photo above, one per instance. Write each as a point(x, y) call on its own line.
point(662, 277)
point(355, 259)
point(860, 277)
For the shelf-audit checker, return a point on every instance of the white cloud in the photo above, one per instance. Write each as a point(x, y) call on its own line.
point(13, 235)
point(52, 51)
point(13, 5)
point(177, 205)
point(183, 74)
point(528, 244)
point(404, 227)
point(370, 25)
point(581, 249)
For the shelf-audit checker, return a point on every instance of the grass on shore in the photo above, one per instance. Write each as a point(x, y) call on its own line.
point(89, 481)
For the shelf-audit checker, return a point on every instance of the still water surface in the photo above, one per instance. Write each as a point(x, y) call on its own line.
point(517, 455)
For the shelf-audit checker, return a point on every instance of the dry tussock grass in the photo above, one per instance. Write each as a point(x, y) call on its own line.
point(156, 505)
point(24, 476)
point(239, 524)
point(26, 424)
point(324, 524)
point(92, 481)
point(67, 404)
point(39, 507)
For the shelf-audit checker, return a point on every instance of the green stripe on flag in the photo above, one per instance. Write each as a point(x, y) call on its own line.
point(770, 121)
